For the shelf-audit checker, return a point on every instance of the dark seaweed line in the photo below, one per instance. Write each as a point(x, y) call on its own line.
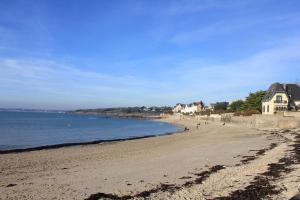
point(171, 188)
point(56, 146)
point(261, 187)
point(260, 152)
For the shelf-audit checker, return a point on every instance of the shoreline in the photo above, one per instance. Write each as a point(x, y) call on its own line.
point(118, 115)
point(93, 142)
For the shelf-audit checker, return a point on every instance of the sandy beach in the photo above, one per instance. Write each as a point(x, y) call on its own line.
point(208, 161)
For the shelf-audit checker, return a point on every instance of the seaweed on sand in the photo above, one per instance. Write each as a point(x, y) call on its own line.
point(261, 187)
point(171, 188)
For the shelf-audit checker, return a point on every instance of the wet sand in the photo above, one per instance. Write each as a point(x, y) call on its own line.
point(206, 162)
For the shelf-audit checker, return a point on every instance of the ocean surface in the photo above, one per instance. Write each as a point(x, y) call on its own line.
point(20, 130)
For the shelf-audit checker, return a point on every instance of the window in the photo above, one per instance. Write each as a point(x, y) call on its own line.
point(279, 98)
point(268, 108)
point(263, 108)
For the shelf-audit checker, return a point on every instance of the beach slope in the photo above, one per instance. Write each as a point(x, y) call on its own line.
point(209, 160)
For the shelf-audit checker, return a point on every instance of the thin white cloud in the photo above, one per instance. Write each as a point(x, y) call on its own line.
point(52, 77)
point(43, 69)
point(231, 80)
point(200, 33)
point(194, 6)
point(183, 7)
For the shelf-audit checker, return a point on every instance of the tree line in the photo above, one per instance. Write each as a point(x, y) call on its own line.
point(251, 105)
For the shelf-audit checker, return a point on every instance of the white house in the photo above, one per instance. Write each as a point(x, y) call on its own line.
point(193, 107)
point(178, 107)
point(281, 97)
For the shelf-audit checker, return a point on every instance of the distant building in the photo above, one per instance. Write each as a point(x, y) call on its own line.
point(219, 106)
point(281, 97)
point(211, 106)
point(178, 107)
point(193, 107)
point(206, 107)
point(189, 108)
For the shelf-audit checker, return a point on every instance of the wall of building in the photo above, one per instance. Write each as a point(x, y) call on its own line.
point(272, 105)
point(191, 109)
point(177, 108)
point(267, 108)
point(188, 109)
point(297, 103)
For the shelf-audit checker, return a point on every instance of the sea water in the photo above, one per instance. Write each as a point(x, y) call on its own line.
point(20, 130)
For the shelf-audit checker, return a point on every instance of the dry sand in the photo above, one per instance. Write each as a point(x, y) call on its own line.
point(178, 166)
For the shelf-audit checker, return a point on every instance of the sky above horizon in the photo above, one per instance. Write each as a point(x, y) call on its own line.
point(60, 54)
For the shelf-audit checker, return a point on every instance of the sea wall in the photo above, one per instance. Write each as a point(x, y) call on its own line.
point(257, 121)
point(287, 120)
point(266, 121)
point(291, 114)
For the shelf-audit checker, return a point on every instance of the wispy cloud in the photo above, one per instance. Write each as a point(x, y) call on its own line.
point(184, 7)
point(59, 80)
point(223, 27)
point(230, 80)
point(194, 6)
point(201, 34)
point(47, 70)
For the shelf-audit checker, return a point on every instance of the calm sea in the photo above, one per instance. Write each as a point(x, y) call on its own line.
point(33, 129)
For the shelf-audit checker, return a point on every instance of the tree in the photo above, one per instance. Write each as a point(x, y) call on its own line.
point(254, 101)
point(237, 105)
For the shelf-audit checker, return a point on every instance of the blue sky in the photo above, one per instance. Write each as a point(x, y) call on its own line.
point(87, 54)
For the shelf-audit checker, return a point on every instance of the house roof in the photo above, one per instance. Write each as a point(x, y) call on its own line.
point(293, 90)
point(273, 89)
point(191, 104)
point(225, 103)
point(197, 103)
